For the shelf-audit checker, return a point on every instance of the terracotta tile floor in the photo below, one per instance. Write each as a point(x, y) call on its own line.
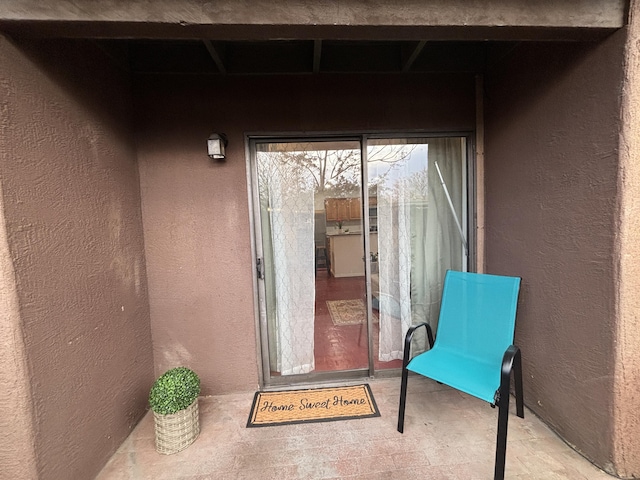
point(448, 435)
point(342, 347)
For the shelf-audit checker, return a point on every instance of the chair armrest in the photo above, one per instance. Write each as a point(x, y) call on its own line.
point(511, 358)
point(409, 337)
point(507, 361)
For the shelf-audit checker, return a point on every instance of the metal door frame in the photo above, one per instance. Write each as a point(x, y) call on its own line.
point(266, 381)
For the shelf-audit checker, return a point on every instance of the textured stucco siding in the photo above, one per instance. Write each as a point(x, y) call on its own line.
point(310, 19)
point(17, 453)
point(627, 388)
point(572, 13)
point(552, 129)
point(74, 233)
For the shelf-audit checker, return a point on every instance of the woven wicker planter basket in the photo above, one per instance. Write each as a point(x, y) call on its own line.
point(177, 431)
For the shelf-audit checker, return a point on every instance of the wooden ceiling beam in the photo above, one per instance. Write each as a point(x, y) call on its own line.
point(412, 58)
point(317, 55)
point(214, 55)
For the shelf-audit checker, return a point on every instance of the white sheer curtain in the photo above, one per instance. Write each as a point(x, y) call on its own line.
point(418, 238)
point(289, 252)
point(444, 249)
point(394, 260)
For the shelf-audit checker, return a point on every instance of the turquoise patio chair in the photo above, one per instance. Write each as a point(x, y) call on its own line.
point(473, 351)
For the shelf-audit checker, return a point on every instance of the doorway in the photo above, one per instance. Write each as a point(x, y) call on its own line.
point(353, 237)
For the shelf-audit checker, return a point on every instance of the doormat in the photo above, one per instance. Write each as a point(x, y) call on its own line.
point(348, 312)
point(314, 405)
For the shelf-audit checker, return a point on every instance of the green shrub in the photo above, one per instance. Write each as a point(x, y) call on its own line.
point(174, 390)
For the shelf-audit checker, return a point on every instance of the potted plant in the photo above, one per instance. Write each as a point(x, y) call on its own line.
point(174, 401)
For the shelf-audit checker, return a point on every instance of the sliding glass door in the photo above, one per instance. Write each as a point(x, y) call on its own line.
point(310, 251)
point(353, 236)
point(421, 228)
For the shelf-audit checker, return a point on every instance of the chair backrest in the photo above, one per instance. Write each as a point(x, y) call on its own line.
point(477, 314)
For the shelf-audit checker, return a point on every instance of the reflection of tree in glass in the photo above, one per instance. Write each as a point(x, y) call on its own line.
point(334, 172)
point(290, 177)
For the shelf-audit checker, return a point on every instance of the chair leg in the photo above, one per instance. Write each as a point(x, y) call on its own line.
point(510, 361)
point(403, 398)
point(501, 443)
point(405, 372)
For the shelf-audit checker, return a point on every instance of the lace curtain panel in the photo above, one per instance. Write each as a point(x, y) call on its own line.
point(417, 235)
point(286, 200)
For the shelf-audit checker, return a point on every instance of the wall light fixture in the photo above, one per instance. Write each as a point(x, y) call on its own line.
point(216, 145)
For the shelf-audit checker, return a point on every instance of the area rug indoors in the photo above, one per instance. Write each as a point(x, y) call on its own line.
point(348, 312)
point(312, 405)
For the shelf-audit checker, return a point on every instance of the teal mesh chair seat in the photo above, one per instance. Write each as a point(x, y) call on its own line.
point(480, 379)
point(473, 351)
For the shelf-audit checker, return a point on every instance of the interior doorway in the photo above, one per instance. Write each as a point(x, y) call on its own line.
point(353, 236)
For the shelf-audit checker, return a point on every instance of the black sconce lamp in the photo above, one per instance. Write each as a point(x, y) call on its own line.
point(216, 145)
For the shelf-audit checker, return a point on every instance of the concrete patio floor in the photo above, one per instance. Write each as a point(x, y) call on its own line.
point(447, 435)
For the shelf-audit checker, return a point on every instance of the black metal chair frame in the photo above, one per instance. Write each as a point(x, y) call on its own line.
point(511, 362)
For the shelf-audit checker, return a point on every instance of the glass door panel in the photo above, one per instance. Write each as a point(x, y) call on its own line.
point(417, 230)
point(312, 258)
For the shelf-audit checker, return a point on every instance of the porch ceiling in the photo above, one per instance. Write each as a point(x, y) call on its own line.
point(301, 56)
point(262, 37)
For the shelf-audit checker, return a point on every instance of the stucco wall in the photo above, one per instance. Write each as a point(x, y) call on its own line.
point(552, 126)
point(627, 390)
point(310, 19)
point(17, 455)
point(196, 214)
point(74, 233)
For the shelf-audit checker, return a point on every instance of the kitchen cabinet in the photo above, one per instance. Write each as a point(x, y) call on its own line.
point(355, 209)
point(336, 209)
point(342, 209)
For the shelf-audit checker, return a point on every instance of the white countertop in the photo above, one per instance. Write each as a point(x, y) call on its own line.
point(347, 233)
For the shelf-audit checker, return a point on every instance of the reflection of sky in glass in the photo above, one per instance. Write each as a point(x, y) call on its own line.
point(395, 167)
